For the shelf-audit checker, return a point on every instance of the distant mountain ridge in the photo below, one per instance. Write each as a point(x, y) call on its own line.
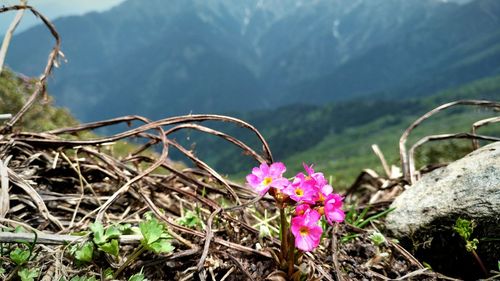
point(159, 58)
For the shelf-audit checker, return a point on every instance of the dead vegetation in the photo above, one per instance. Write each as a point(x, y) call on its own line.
point(56, 184)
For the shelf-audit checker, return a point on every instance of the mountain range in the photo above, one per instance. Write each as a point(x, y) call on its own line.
point(159, 58)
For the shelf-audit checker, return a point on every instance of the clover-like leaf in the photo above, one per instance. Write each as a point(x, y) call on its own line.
point(190, 219)
point(125, 228)
point(137, 277)
point(85, 252)
point(98, 231)
point(28, 274)
point(160, 246)
point(19, 256)
point(110, 247)
point(108, 273)
point(151, 231)
point(112, 232)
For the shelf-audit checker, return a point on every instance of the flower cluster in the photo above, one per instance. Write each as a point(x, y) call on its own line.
point(311, 195)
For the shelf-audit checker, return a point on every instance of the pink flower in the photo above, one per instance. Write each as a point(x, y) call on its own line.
point(317, 181)
point(333, 211)
point(301, 191)
point(318, 178)
point(324, 192)
point(265, 177)
point(306, 230)
point(302, 209)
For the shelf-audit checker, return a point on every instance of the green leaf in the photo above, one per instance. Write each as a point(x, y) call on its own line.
point(374, 217)
point(137, 277)
point(464, 228)
point(19, 229)
point(110, 247)
point(112, 232)
point(426, 265)
point(85, 252)
point(160, 246)
point(471, 245)
point(108, 273)
point(377, 238)
point(151, 230)
point(19, 256)
point(125, 228)
point(498, 265)
point(190, 219)
point(348, 237)
point(98, 231)
point(28, 274)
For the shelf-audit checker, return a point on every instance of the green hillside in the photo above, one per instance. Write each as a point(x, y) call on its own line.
point(345, 154)
point(42, 116)
point(337, 137)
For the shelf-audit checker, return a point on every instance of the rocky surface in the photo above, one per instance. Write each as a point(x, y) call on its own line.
point(468, 188)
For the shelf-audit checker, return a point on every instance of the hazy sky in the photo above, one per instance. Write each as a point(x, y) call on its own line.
point(53, 9)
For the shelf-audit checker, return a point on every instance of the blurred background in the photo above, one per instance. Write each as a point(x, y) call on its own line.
point(321, 79)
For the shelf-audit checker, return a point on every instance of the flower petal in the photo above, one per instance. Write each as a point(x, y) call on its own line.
point(336, 215)
point(257, 172)
point(253, 180)
point(277, 169)
point(264, 168)
point(280, 183)
point(304, 243)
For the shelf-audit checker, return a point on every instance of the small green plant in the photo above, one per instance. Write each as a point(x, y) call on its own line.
point(464, 228)
point(358, 220)
point(155, 239)
point(83, 253)
point(19, 254)
point(106, 240)
point(28, 274)
point(108, 273)
point(381, 252)
point(190, 219)
point(138, 277)
point(155, 236)
point(377, 238)
point(24, 251)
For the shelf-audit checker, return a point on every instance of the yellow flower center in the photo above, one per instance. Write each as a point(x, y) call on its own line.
point(321, 197)
point(299, 192)
point(267, 181)
point(304, 231)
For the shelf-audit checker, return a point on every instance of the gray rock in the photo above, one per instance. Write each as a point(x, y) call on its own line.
point(468, 188)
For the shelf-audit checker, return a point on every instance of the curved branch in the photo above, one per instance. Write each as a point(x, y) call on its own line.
point(479, 124)
point(51, 62)
point(404, 137)
point(440, 137)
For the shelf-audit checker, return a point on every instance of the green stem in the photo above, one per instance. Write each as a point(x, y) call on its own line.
point(130, 258)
